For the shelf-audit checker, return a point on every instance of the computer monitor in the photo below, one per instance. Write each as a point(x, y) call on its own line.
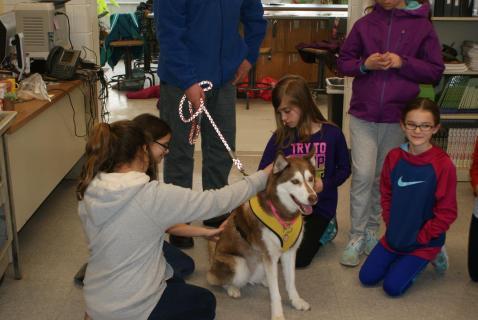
point(7, 32)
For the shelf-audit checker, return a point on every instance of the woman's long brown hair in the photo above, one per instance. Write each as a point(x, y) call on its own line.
point(297, 89)
point(108, 146)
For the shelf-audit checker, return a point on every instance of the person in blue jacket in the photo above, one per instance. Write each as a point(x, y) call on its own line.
point(201, 40)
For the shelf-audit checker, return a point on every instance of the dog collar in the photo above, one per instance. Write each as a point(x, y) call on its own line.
point(288, 233)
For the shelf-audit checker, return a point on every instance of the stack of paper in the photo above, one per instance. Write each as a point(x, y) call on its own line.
point(470, 54)
point(455, 67)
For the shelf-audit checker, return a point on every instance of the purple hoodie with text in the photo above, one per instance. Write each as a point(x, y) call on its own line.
point(377, 95)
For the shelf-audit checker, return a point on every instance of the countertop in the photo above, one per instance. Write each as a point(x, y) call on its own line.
point(6, 117)
point(30, 109)
point(274, 6)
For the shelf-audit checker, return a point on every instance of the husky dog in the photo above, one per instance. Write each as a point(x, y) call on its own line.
point(267, 228)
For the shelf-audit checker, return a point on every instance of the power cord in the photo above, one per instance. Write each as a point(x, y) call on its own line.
point(74, 113)
point(57, 13)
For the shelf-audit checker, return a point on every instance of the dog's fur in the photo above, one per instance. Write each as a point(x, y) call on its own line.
point(248, 252)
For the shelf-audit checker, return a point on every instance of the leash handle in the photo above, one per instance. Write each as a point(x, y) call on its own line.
point(195, 118)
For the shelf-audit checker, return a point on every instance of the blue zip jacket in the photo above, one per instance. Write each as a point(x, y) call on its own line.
point(200, 39)
point(380, 95)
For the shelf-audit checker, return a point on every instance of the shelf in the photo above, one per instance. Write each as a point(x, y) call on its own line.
point(454, 18)
point(466, 73)
point(459, 116)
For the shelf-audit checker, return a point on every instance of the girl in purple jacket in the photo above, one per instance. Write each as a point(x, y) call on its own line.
point(389, 52)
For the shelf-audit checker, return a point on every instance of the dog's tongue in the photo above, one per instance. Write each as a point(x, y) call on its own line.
point(306, 209)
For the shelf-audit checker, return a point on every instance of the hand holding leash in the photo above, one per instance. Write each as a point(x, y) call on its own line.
point(196, 124)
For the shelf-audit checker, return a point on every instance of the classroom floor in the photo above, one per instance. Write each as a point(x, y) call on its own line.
point(53, 248)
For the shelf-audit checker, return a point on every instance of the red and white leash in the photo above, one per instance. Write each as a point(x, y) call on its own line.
point(195, 118)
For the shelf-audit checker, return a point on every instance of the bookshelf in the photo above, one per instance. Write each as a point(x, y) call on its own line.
point(458, 124)
point(466, 73)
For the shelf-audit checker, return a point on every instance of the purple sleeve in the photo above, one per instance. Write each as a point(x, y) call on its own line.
point(342, 163)
point(428, 66)
point(269, 154)
point(350, 57)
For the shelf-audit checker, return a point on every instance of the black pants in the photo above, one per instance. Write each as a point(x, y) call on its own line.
point(184, 301)
point(314, 227)
point(473, 249)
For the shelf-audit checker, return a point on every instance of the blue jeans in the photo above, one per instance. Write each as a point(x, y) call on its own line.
point(216, 162)
point(397, 271)
point(184, 301)
point(182, 264)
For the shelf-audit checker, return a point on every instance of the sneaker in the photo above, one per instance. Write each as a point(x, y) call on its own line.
point(181, 242)
point(330, 232)
point(441, 261)
point(352, 252)
point(370, 241)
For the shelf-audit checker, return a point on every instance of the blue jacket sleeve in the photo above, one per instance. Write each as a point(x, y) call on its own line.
point(269, 154)
point(252, 18)
point(342, 164)
point(171, 29)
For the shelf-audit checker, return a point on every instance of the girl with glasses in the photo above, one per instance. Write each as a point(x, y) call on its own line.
point(159, 134)
point(125, 213)
point(418, 198)
point(389, 52)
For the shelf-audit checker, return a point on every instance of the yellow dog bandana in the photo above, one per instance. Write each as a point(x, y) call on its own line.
point(287, 232)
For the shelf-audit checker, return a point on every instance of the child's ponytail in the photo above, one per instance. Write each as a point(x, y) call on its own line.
point(98, 150)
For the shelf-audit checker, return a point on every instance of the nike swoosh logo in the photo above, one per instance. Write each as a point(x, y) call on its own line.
point(402, 183)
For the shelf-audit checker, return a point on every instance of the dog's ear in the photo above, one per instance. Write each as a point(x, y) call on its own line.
point(311, 156)
point(280, 163)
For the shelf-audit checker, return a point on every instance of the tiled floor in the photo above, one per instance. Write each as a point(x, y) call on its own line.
point(53, 248)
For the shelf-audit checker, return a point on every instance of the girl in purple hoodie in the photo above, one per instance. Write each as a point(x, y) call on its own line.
point(389, 52)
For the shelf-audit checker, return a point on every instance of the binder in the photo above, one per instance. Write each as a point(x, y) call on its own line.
point(439, 8)
point(448, 10)
point(456, 10)
point(466, 8)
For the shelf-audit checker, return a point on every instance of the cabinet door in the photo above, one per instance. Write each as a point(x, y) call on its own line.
point(320, 29)
point(295, 65)
point(273, 67)
point(296, 31)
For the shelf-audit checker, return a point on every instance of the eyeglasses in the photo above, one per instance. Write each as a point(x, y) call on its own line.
point(424, 127)
point(165, 146)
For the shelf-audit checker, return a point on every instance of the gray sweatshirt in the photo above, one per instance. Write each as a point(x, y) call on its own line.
point(125, 217)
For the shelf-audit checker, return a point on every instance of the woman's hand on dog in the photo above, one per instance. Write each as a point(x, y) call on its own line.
point(268, 169)
point(213, 234)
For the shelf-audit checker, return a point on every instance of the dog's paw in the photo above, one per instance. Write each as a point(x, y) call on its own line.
point(281, 317)
point(300, 304)
point(233, 292)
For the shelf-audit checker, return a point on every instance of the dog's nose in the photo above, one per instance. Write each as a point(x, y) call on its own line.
point(312, 198)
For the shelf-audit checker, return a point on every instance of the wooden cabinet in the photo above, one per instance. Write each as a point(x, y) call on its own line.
point(282, 36)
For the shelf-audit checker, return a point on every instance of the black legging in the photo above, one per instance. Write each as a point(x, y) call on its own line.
point(473, 249)
point(314, 227)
